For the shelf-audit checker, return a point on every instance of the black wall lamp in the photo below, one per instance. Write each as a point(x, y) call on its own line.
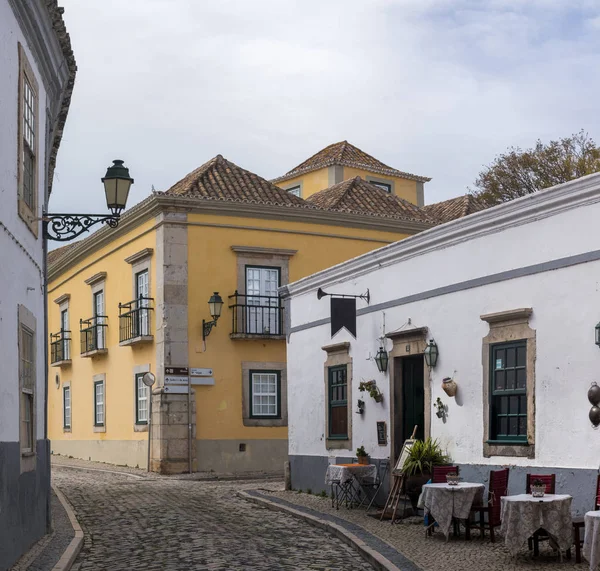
point(215, 305)
point(431, 354)
point(598, 334)
point(65, 227)
point(382, 359)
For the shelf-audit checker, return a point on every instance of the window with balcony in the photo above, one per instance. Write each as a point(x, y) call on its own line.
point(60, 343)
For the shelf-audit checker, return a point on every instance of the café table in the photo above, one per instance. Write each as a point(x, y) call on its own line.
point(445, 502)
point(348, 478)
point(591, 543)
point(523, 515)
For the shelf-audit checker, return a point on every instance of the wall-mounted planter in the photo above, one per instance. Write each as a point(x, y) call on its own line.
point(594, 398)
point(449, 386)
point(595, 415)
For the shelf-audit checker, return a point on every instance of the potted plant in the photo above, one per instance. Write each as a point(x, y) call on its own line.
point(371, 388)
point(418, 466)
point(441, 409)
point(538, 488)
point(452, 479)
point(361, 454)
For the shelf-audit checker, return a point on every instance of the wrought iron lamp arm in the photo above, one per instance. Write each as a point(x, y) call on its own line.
point(207, 327)
point(65, 227)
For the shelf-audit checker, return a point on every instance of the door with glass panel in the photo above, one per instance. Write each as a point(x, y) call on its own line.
point(99, 319)
point(262, 301)
point(142, 293)
point(65, 334)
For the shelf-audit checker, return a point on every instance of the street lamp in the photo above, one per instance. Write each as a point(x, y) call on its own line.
point(381, 360)
point(65, 227)
point(431, 354)
point(215, 305)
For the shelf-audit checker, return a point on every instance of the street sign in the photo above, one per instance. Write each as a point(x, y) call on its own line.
point(175, 380)
point(177, 371)
point(202, 380)
point(177, 389)
point(201, 372)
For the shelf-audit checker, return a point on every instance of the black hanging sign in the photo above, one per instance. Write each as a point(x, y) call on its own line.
point(343, 314)
point(381, 433)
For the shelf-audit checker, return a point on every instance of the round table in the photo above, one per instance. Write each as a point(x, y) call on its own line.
point(445, 502)
point(523, 515)
point(591, 543)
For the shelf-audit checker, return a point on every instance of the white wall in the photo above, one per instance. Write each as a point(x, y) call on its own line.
point(566, 307)
point(20, 252)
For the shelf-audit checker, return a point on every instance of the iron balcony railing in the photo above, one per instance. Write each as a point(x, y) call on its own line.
point(134, 318)
point(256, 314)
point(60, 346)
point(93, 333)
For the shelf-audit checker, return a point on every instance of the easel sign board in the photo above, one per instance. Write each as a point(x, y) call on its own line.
point(408, 444)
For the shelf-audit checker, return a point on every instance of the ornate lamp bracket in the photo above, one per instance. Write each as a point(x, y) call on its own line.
point(65, 227)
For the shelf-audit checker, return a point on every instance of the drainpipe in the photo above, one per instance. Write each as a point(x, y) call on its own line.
point(46, 373)
point(189, 399)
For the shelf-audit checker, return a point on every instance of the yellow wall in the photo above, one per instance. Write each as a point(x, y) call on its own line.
point(318, 180)
point(212, 266)
point(403, 187)
point(119, 362)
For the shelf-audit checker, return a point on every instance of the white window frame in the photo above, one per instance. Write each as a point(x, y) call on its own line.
point(139, 384)
point(97, 404)
point(67, 407)
point(27, 386)
point(295, 190)
point(260, 377)
point(262, 320)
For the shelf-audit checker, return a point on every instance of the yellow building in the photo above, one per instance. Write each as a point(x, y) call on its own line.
point(132, 300)
point(343, 161)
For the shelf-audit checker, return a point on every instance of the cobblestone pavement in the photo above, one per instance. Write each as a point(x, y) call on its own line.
point(433, 553)
point(157, 523)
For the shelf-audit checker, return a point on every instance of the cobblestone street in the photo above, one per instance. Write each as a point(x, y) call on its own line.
point(154, 523)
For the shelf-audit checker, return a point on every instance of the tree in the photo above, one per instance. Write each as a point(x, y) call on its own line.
point(518, 173)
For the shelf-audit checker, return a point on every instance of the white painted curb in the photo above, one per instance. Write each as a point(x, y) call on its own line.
point(72, 551)
point(373, 557)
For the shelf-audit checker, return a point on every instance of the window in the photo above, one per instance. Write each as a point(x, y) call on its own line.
point(99, 318)
point(65, 334)
point(27, 370)
point(141, 399)
point(338, 402)
point(295, 190)
point(265, 399)
point(263, 314)
point(67, 407)
point(383, 185)
point(27, 143)
point(142, 322)
point(508, 391)
point(99, 403)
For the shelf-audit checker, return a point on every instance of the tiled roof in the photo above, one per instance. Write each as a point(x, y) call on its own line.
point(58, 253)
point(346, 155)
point(454, 208)
point(220, 179)
point(357, 196)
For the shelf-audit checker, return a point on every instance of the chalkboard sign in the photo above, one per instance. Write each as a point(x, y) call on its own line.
point(381, 433)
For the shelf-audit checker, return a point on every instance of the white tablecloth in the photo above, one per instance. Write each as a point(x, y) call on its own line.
point(591, 543)
point(342, 473)
point(444, 502)
point(522, 515)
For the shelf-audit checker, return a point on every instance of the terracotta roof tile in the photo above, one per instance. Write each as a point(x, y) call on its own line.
point(357, 196)
point(220, 179)
point(454, 208)
point(347, 155)
point(58, 253)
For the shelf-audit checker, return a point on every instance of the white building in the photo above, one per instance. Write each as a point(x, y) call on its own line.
point(37, 72)
point(511, 293)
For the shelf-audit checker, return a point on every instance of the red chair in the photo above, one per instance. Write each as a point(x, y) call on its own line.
point(498, 488)
point(549, 481)
point(579, 524)
point(439, 473)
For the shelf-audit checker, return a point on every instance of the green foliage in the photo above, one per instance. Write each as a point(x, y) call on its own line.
point(520, 172)
point(361, 451)
point(423, 456)
point(323, 494)
point(309, 491)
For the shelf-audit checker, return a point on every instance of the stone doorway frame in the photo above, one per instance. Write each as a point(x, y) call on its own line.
point(408, 343)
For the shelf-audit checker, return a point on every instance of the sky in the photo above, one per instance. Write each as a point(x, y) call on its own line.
point(436, 88)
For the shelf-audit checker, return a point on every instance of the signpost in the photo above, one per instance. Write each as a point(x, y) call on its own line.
point(149, 379)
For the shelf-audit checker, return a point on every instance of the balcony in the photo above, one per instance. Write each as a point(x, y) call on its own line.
point(60, 348)
point(256, 317)
point(93, 336)
point(135, 321)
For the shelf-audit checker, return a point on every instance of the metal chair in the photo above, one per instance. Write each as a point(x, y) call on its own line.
point(549, 481)
point(498, 487)
point(579, 524)
point(439, 473)
point(375, 483)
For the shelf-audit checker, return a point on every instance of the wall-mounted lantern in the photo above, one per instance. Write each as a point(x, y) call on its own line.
point(598, 334)
point(215, 305)
point(431, 354)
point(382, 359)
point(65, 227)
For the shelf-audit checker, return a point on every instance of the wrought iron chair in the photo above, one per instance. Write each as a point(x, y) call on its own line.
point(498, 487)
point(374, 483)
point(549, 481)
point(579, 524)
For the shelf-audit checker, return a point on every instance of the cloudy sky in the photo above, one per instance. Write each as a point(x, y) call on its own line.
point(433, 87)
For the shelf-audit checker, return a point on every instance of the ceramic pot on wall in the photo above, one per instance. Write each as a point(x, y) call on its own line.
point(449, 386)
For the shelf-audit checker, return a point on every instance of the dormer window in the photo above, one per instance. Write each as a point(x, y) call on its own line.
point(383, 185)
point(295, 190)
